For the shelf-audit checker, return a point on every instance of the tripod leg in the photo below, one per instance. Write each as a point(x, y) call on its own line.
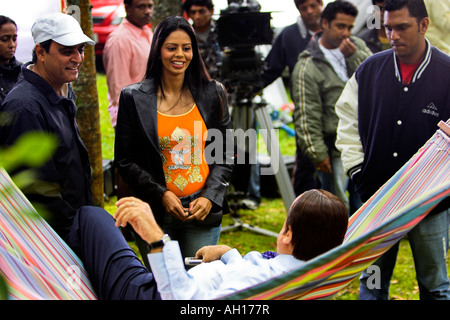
point(278, 166)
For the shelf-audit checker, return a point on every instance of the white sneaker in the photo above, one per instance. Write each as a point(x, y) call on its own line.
point(250, 204)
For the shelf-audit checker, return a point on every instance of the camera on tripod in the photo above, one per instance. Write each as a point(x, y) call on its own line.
point(241, 27)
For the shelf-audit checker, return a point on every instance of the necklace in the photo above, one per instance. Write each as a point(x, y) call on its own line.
point(167, 110)
point(181, 102)
point(337, 61)
point(338, 58)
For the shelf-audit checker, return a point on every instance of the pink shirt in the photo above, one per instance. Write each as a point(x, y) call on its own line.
point(125, 60)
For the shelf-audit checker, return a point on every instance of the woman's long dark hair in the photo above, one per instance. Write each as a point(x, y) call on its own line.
point(196, 75)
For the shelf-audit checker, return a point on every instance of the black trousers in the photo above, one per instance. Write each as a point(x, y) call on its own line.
point(305, 174)
point(116, 273)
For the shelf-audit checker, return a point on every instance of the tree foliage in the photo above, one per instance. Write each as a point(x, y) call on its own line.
point(165, 8)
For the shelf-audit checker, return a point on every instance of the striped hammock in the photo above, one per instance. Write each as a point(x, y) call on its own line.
point(381, 222)
point(37, 264)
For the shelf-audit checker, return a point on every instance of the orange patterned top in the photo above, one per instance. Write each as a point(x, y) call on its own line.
point(181, 140)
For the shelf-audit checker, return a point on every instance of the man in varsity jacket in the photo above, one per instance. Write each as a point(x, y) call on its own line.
point(387, 111)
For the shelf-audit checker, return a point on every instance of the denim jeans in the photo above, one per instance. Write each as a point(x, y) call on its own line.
point(254, 184)
point(429, 245)
point(190, 234)
point(337, 182)
point(353, 198)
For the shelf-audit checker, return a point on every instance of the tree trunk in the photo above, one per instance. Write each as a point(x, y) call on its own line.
point(165, 8)
point(88, 114)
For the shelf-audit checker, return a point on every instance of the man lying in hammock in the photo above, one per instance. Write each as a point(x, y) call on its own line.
point(316, 222)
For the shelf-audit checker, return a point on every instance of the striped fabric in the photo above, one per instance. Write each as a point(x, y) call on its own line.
point(395, 209)
point(37, 264)
point(34, 260)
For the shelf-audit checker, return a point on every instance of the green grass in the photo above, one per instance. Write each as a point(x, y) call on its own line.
point(105, 124)
point(270, 216)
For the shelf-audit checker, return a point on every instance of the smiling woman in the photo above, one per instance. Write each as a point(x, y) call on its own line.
point(176, 55)
point(176, 106)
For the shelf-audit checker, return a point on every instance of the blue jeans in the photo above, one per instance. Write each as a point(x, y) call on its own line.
point(337, 182)
point(429, 245)
point(254, 184)
point(190, 234)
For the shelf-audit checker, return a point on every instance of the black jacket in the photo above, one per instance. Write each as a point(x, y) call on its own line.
point(9, 75)
point(284, 52)
point(138, 155)
point(63, 184)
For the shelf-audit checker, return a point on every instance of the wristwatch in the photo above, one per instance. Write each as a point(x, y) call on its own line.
point(160, 243)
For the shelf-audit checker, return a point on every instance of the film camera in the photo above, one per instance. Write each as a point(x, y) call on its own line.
point(241, 27)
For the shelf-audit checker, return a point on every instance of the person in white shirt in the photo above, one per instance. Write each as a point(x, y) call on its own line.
point(316, 222)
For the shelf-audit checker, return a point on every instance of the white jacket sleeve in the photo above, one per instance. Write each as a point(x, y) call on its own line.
point(348, 141)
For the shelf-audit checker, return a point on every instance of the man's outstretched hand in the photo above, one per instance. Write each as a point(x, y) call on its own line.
point(211, 253)
point(140, 216)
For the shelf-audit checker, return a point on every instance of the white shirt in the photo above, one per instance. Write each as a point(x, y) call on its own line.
point(337, 60)
point(302, 28)
point(214, 279)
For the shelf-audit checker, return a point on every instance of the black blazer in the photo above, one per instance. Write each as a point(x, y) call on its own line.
point(138, 155)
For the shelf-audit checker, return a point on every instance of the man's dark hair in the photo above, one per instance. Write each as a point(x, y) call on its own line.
point(374, 2)
point(338, 6)
point(46, 45)
point(416, 8)
point(318, 221)
point(203, 3)
point(299, 2)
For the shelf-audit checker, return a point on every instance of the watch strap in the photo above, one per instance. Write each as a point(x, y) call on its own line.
point(160, 243)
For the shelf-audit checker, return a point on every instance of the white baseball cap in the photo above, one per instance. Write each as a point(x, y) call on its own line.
point(61, 28)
